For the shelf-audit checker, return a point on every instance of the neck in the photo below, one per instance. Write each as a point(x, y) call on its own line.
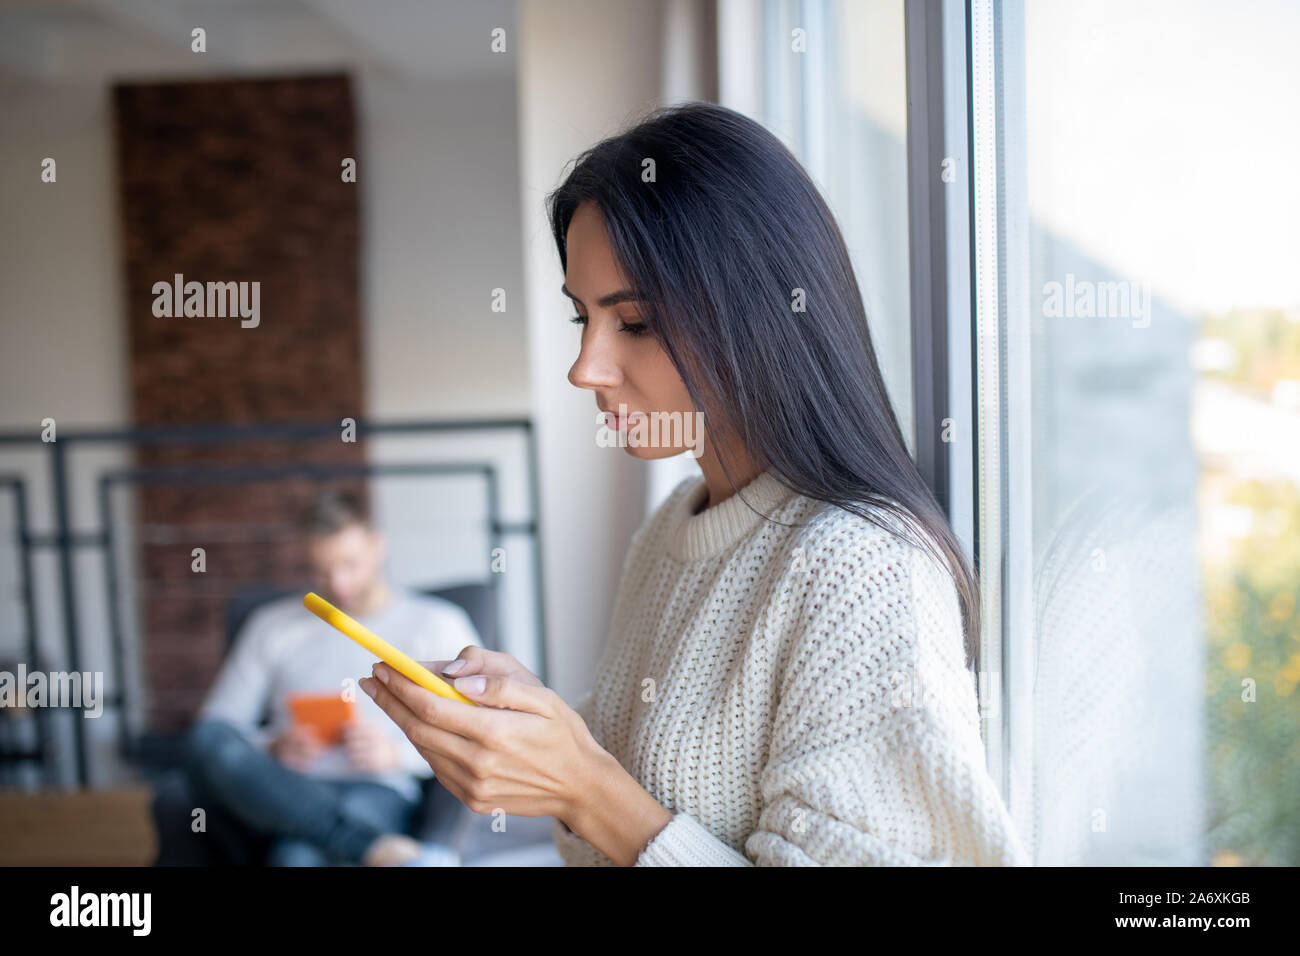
point(743, 471)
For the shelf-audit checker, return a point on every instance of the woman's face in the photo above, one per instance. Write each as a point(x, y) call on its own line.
point(621, 365)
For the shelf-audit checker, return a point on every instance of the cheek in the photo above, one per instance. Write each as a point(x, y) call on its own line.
point(659, 382)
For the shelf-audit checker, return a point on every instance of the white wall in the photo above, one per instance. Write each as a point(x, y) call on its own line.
point(440, 231)
point(587, 68)
point(62, 336)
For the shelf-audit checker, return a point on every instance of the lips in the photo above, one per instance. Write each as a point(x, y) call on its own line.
point(618, 422)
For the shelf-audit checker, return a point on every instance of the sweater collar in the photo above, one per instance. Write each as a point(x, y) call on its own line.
point(694, 537)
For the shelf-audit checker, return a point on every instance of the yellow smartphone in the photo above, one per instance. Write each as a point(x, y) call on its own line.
point(386, 652)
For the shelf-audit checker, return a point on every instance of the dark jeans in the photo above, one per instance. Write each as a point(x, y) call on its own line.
point(259, 811)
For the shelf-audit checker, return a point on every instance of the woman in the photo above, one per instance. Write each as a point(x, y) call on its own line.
point(786, 679)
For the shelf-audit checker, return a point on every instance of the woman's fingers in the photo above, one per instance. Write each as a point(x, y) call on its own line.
point(436, 667)
point(478, 660)
point(416, 712)
point(454, 759)
point(506, 693)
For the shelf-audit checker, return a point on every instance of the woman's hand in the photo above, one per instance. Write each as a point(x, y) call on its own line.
point(525, 752)
point(475, 660)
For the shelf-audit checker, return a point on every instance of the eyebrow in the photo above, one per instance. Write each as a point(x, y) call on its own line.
point(608, 301)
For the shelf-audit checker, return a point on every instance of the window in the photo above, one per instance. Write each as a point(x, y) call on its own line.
point(1097, 363)
point(1137, 366)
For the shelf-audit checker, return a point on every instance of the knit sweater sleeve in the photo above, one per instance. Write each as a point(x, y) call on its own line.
point(875, 756)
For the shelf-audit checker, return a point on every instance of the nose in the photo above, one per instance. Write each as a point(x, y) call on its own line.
point(597, 364)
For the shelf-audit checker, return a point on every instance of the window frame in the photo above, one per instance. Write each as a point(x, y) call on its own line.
point(970, 340)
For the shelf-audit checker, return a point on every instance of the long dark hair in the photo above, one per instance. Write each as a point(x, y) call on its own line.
point(717, 226)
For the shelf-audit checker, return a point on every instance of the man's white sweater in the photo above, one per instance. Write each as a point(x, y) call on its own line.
point(795, 696)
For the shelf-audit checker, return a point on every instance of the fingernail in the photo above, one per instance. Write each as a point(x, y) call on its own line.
point(471, 685)
point(454, 666)
point(382, 674)
point(368, 688)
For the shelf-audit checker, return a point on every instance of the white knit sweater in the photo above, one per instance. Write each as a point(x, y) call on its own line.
point(795, 696)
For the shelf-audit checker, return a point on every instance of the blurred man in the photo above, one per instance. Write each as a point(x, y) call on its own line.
point(315, 803)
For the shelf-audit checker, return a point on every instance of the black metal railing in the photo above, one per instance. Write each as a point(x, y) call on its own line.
point(63, 540)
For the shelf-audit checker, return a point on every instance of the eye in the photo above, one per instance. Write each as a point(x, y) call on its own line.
point(632, 328)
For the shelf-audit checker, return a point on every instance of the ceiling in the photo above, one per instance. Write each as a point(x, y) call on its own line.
point(75, 42)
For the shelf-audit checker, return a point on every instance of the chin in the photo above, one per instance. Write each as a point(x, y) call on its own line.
point(652, 453)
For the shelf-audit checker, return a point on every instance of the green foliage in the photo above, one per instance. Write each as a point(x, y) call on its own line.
point(1253, 632)
point(1267, 344)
